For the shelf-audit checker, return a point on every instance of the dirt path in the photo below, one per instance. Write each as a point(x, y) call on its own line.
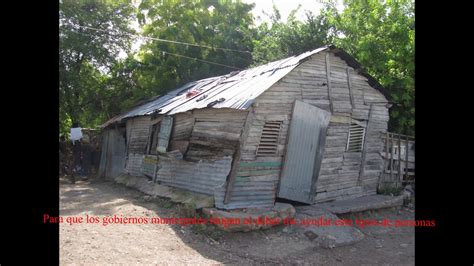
point(173, 244)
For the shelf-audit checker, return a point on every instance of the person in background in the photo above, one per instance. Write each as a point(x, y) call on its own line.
point(95, 148)
point(86, 161)
point(66, 162)
point(62, 155)
point(77, 158)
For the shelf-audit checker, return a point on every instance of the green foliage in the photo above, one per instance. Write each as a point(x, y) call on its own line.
point(379, 34)
point(391, 189)
point(212, 23)
point(86, 57)
point(281, 40)
point(95, 84)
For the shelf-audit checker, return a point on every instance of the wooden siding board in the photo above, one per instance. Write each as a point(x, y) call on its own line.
point(344, 104)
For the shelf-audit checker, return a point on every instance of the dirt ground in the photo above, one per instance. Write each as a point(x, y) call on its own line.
point(172, 244)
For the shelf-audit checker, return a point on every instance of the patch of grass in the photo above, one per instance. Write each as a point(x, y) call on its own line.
point(209, 230)
point(164, 203)
point(391, 190)
point(199, 229)
point(187, 210)
point(409, 200)
point(214, 233)
point(167, 204)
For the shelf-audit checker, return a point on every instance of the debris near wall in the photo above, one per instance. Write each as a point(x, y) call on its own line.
point(146, 186)
point(328, 236)
point(340, 233)
point(245, 220)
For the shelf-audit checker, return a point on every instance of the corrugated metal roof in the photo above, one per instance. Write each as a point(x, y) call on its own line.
point(236, 90)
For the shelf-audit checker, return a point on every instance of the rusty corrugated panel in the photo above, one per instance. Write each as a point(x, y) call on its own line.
point(202, 177)
point(236, 90)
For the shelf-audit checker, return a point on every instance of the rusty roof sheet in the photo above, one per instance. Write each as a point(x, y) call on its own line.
point(236, 90)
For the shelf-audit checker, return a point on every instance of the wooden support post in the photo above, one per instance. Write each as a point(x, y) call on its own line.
point(155, 170)
point(236, 160)
point(406, 158)
point(364, 147)
point(349, 84)
point(391, 158)
point(129, 138)
point(107, 158)
point(148, 144)
point(384, 170)
point(400, 159)
point(232, 174)
point(328, 76)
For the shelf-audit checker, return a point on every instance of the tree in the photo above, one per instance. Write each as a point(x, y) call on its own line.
point(90, 40)
point(207, 23)
point(281, 40)
point(381, 35)
point(221, 36)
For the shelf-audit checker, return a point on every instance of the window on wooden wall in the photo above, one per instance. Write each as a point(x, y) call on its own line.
point(153, 141)
point(268, 144)
point(355, 140)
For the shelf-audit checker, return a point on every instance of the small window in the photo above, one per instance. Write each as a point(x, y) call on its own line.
point(355, 141)
point(269, 139)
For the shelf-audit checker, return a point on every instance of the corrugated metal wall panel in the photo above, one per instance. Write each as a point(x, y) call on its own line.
point(149, 165)
point(138, 132)
point(103, 154)
point(255, 185)
point(134, 164)
point(112, 160)
point(202, 177)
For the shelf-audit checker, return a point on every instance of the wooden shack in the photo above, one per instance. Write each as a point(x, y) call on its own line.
point(306, 128)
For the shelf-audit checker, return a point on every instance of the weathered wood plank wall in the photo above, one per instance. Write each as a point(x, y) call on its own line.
point(216, 133)
point(181, 133)
point(207, 138)
point(351, 97)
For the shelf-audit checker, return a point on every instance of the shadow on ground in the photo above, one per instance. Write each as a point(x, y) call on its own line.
point(276, 245)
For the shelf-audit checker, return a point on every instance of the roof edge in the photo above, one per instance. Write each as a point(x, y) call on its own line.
point(349, 59)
